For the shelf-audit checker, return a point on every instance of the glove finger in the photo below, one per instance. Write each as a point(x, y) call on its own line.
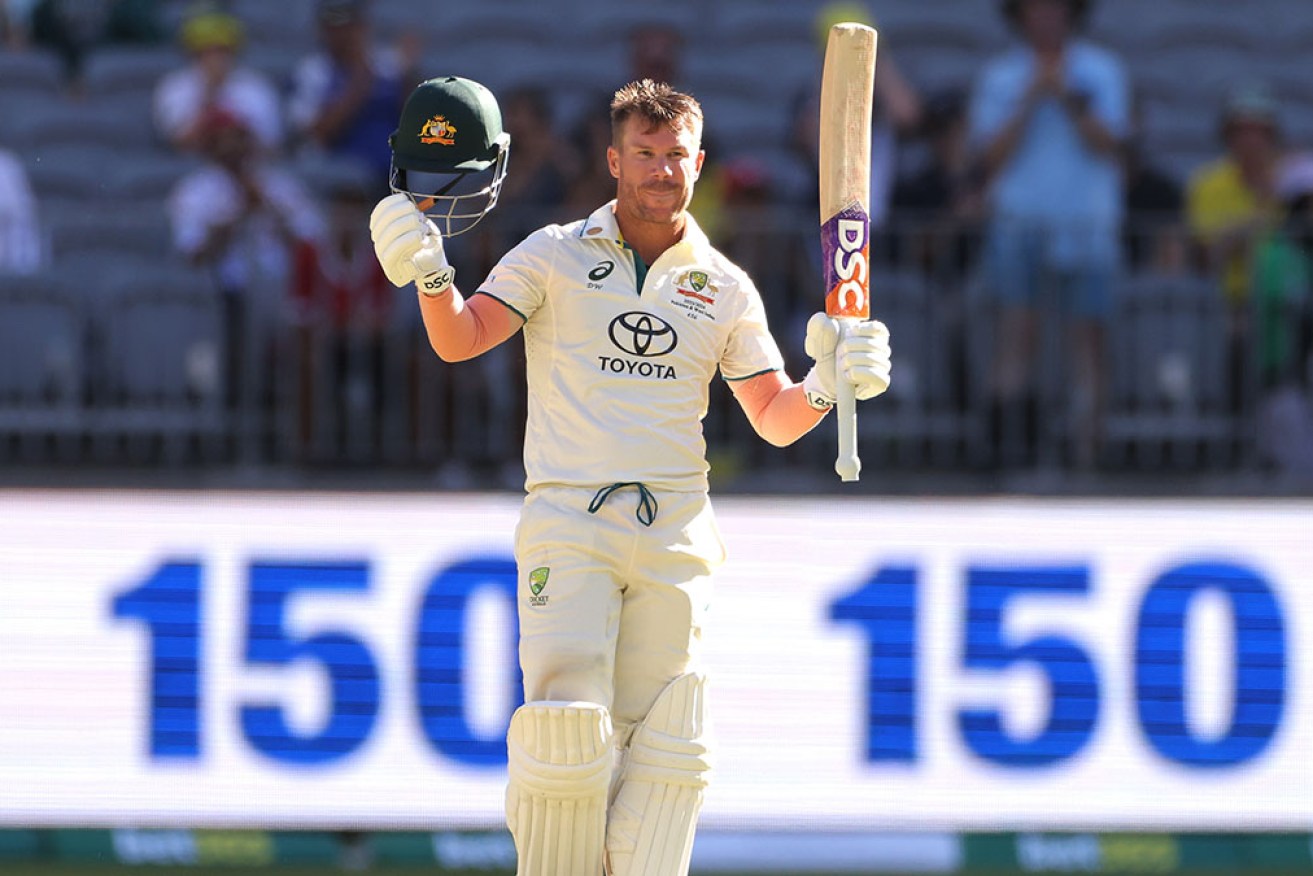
point(822, 336)
point(864, 391)
point(389, 208)
point(390, 226)
point(864, 358)
point(862, 346)
point(876, 372)
point(400, 252)
point(404, 230)
point(869, 328)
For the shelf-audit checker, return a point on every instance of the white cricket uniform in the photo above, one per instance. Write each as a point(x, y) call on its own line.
point(618, 377)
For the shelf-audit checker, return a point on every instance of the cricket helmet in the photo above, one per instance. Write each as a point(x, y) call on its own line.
point(449, 152)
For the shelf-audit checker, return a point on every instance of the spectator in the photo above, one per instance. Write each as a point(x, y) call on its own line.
point(343, 310)
point(1048, 118)
point(1152, 238)
point(1283, 272)
point(241, 218)
point(214, 78)
point(945, 197)
point(592, 183)
point(20, 229)
point(656, 51)
point(74, 28)
point(544, 162)
point(16, 23)
point(1234, 209)
point(1232, 202)
point(347, 96)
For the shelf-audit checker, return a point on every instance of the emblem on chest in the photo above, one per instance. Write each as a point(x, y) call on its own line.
point(695, 294)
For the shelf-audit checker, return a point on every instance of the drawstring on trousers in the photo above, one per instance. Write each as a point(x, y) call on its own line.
point(647, 503)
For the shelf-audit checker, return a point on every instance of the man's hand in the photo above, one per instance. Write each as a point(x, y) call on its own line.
point(409, 246)
point(862, 358)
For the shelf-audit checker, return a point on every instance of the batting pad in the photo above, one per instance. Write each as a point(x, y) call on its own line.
point(651, 823)
point(560, 762)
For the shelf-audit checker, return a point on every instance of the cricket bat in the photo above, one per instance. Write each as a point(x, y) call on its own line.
point(847, 90)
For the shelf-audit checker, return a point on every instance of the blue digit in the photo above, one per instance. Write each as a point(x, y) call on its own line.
point(440, 654)
point(1073, 682)
point(169, 602)
point(351, 671)
point(885, 608)
point(1260, 665)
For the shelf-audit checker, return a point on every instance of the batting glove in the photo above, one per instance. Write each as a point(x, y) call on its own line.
point(409, 246)
point(861, 357)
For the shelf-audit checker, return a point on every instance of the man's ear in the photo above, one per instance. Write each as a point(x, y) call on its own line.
point(613, 161)
point(697, 168)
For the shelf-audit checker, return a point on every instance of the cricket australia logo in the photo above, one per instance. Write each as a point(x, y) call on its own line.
point(644, 336)
point(695, 294)
point(537, 582)
point(438, 130)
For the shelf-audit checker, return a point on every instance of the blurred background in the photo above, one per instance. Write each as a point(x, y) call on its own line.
point(211, 401)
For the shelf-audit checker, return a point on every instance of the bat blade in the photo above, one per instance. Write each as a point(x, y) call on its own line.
point(847, 90)
point(844, 165)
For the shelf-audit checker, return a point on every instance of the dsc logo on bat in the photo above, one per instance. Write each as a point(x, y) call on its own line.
point(847, 266)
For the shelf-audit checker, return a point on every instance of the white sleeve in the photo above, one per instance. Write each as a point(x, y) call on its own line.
point(520, 278)
point(198, 202)
point(301, 212)
point(255, 99)
point(309, 89)
point(176, 103)
point(751, 349)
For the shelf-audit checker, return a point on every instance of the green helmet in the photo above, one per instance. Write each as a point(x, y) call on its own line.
point(449, 152)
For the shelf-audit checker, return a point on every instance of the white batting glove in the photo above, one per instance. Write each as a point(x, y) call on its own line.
point(862, 358)
point(409, 246)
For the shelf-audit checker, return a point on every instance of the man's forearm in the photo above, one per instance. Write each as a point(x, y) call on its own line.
point(777, 409)
point(460, 329)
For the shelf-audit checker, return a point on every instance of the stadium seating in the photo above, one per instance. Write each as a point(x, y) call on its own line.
point(41, 334)
point(102, 177)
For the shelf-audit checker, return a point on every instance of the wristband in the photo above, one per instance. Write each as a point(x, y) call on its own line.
point(814, 392)
point(436, 283)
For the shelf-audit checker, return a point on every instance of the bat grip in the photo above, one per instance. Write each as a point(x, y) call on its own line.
point(847, 463)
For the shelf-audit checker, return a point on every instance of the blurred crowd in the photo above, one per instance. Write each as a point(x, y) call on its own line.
point(1027, 187)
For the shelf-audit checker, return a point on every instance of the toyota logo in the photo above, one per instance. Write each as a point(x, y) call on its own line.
point(642, 334)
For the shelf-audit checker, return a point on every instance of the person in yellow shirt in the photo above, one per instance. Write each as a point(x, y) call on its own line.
point(1232, 202)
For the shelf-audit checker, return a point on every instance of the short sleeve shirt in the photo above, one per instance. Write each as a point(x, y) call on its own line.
point(1054, 176)
point(619, 371)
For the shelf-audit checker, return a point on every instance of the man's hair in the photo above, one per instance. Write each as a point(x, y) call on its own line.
point(658, 104)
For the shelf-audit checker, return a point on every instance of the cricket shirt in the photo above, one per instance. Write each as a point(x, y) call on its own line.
point(619, 358)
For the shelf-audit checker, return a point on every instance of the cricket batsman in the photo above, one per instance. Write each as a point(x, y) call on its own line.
point(627, 316)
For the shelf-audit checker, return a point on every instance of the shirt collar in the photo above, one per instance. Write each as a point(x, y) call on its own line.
point(601, 225)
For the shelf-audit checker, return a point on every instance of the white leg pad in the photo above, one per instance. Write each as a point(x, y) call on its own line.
point(560, 763)
point(652, 820)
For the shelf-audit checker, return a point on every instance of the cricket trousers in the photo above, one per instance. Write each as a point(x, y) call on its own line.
point(614, 587)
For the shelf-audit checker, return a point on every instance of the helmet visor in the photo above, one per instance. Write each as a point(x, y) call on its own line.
point(454, 201)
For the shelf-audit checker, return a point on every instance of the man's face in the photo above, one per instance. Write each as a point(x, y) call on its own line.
point(345, 40)
point(216, 61)
point(654, 170)
point(1251, 141)
point(1046, 23)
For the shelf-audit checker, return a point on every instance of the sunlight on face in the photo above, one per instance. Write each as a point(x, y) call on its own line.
point(654, 170)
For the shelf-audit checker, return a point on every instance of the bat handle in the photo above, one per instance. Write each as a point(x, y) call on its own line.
point(847, 463)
